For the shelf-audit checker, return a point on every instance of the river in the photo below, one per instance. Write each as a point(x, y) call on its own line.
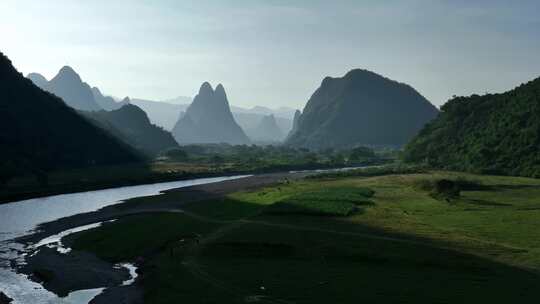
point(22, 217)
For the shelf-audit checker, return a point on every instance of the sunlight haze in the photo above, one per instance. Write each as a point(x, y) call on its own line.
point(274, 53)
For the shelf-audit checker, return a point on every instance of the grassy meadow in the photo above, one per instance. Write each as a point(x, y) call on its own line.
point(339, 239)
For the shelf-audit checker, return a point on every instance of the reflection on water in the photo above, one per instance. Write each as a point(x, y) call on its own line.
point(80, 296)
point(18, 218)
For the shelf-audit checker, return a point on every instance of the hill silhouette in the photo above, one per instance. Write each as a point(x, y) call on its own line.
point(209, 120)
point(41, 133)
point(106, 102)
point(68, 85)
point(494, 133)
point(361, 108)
point(131, 124)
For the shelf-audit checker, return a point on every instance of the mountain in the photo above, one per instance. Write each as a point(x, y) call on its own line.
point(493, 133)
point(267, 130)
point(166, 113)
point(209, 120)
point(161, 113)
point(68, 85)
point(180, 100)
point(250, 121)
point(281, 112)
point(295, 122)
point(131, 125)
point(38, 79)
point(106, 102)
point(40, 133)
point(361, 108)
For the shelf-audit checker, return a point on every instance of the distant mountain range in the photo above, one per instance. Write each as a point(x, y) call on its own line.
point(161, 113)
point(267, 130)
point(131, 124)
point(493, 133)
point(209, 119)
point(283, 112)
point(107, 103)
point(69, 86)
point(41, 133)
point(166, 113)
point(251, 121)
point(361, 108)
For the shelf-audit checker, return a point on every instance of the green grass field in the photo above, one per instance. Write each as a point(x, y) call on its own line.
point(397, 245)
point(339, 201)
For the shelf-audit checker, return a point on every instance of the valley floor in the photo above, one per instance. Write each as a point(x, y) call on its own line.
point(381, 239)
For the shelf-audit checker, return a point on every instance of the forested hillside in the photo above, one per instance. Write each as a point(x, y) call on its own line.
point(494, 133)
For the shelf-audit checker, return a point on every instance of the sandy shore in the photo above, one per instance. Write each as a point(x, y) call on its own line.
point(63, 273)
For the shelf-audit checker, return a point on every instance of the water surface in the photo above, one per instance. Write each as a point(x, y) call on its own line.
point(22, 217)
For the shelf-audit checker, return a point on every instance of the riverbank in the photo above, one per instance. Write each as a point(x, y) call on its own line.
point(76, 271)
point(73, 181)
point(173, 198)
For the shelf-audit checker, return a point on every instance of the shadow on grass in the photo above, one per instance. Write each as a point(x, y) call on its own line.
point(314, 247)
point(503, 187)
point(292, 252)
point(480, 202)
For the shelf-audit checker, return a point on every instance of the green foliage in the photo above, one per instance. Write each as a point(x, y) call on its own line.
point(448, 188)
point(360, 153)
point(272, 158)
point(371, 171)
point(443, 189)
point(494, 133)
point(176, 154)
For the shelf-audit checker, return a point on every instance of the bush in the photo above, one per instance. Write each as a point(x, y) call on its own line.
point(448, 188)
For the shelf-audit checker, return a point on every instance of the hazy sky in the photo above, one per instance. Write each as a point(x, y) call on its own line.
point(275, 53)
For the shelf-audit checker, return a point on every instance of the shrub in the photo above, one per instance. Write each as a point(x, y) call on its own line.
point(448, 188)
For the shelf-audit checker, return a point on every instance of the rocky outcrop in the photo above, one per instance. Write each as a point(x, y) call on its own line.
point(209, 120)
